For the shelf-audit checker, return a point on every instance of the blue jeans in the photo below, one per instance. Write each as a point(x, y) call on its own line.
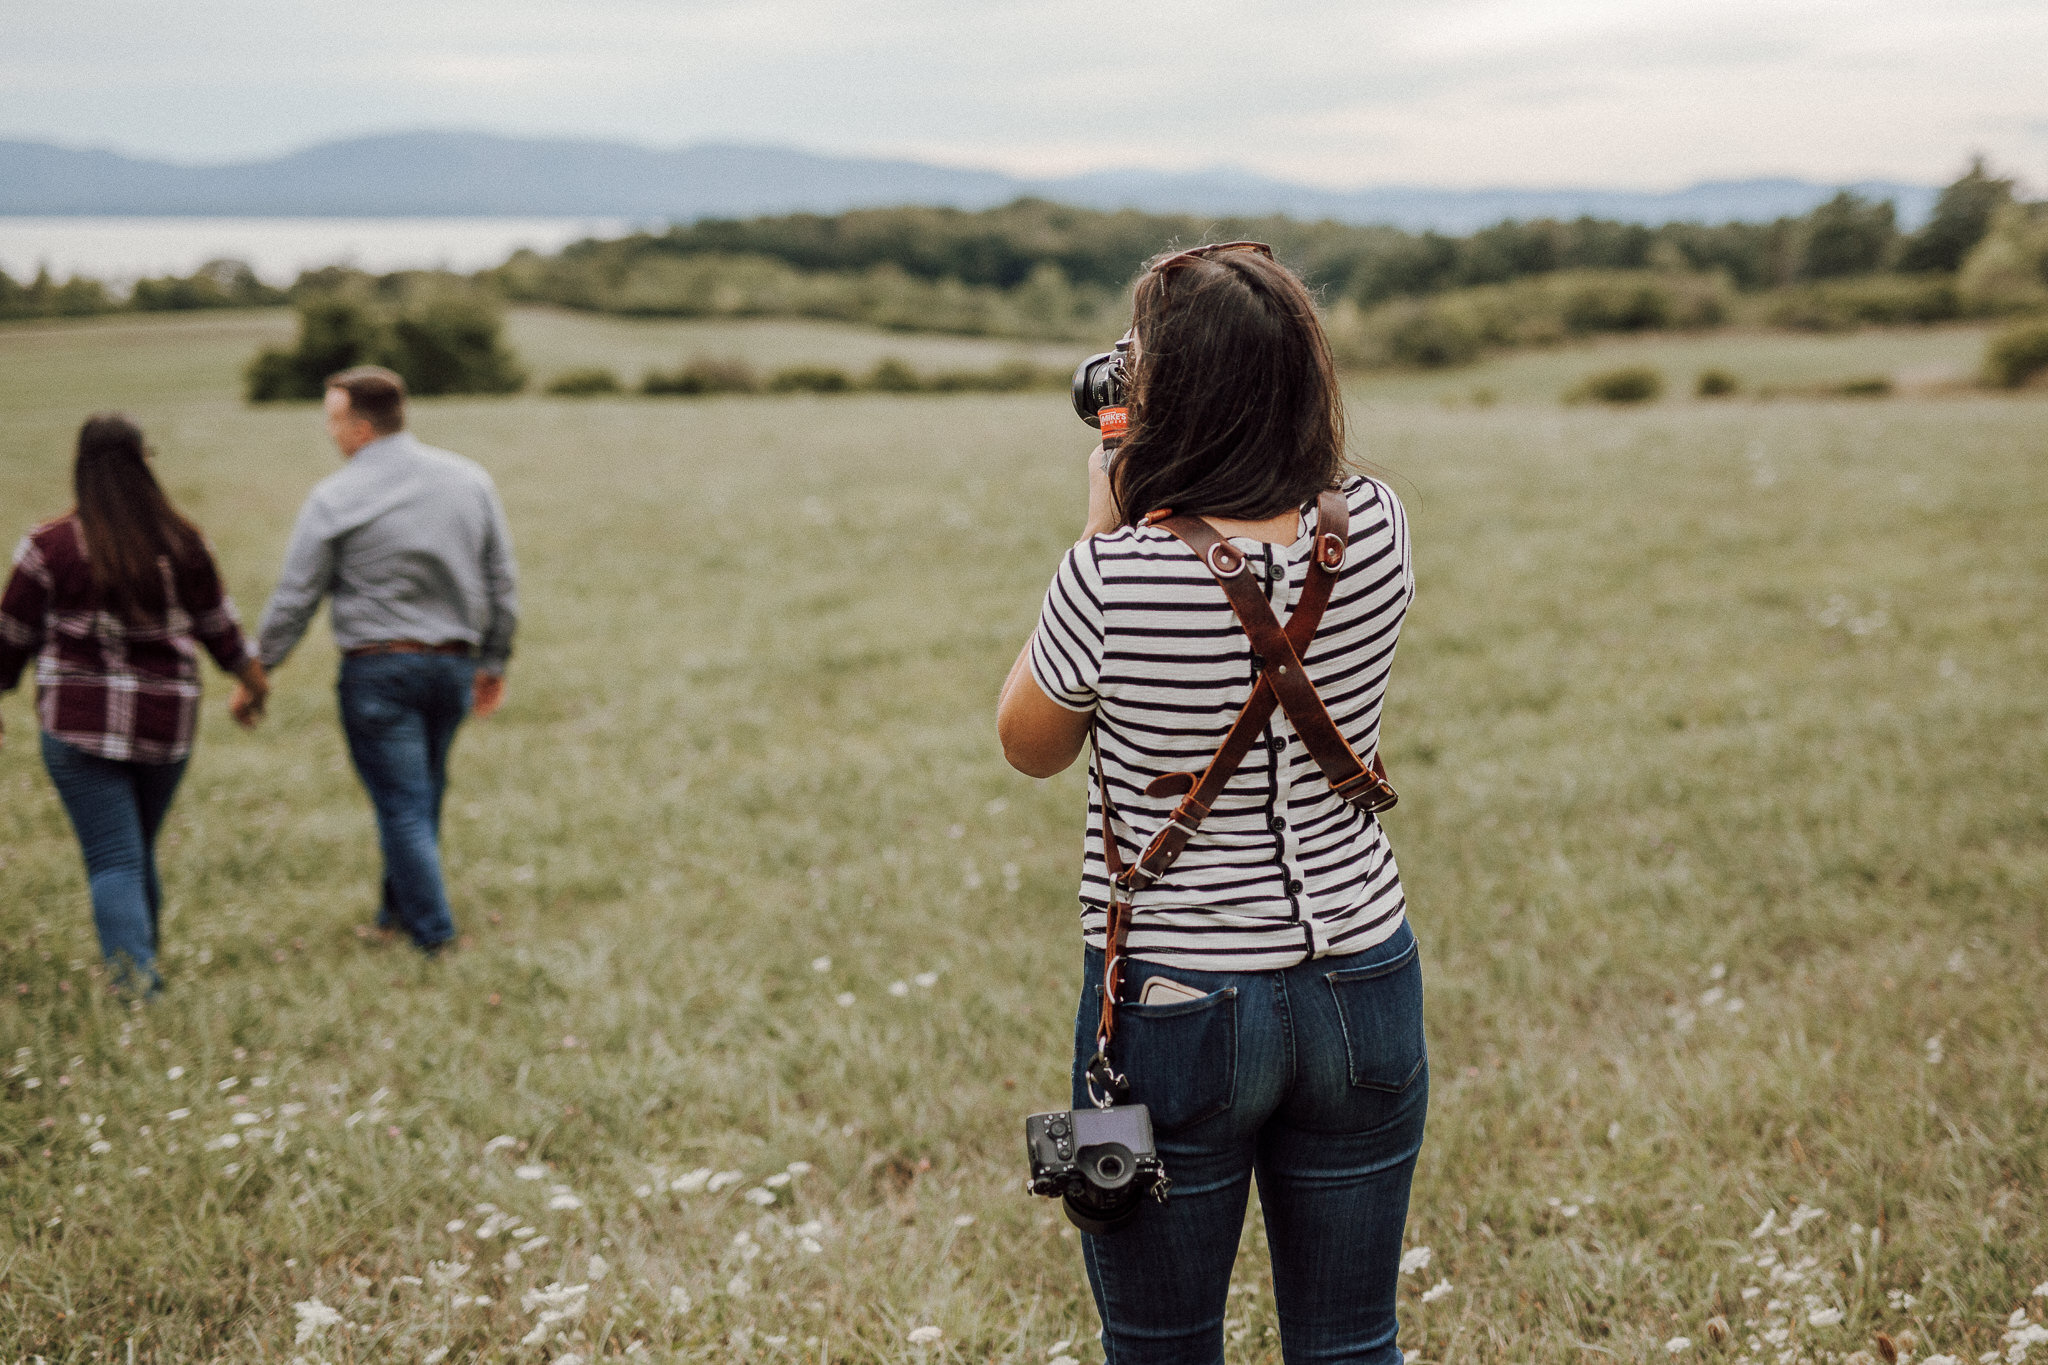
point(400, 713)
point(1316, 1080)
point(116, 808)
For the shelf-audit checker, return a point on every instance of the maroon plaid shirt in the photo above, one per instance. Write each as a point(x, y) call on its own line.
point(120, 689)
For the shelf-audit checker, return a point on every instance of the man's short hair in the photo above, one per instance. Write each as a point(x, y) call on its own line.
point(375, 394)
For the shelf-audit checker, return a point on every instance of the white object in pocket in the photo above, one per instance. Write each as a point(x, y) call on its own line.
point(1164, 990)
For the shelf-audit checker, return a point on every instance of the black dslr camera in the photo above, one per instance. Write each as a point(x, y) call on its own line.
point(1098, 1161)
point(1102, 381)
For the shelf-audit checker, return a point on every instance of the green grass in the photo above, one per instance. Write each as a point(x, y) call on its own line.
point(1698, 703)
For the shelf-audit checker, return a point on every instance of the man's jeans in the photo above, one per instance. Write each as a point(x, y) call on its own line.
point(116, 808)
point(1314, 1078)
point(400, 713)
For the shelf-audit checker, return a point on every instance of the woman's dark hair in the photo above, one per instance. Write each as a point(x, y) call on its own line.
point(128, 523)
point(1236, 410)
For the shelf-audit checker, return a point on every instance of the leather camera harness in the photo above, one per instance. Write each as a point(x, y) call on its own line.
point(1282, 683)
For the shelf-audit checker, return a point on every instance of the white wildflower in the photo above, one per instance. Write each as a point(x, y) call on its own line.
point(1751, 1292)
point(101, 1147)
point(899, 988)
point(678, 1300)
point(821, 964)
point(1678, 1344)
point(964, 1220)
point(1436, 1291)
point(1414, 1259)
point(315, 1317)
point(224, 1141)
point(809, 1246)
point(844, 999)
point(174, 1073)
point(1063, 1360)
point(760, 1197)
point(1941, 1360)
point(1934, 1052)
point(1824, 1317)
point(445, 1273)
point(691, 1182)
point(1801, 1216)
point(229, 1084)
point(531, 1172)
point(570, 1359)
point(926, 979)
point(599, 1267)
point(500, 1143)
point(777, 1181)
point(245, 1118)
point(177, 1114)
point(2041, 1290)
point(533, 1244)
point(2017, 1318)
point(798, 1168)
point(738, 1287)
point(555, 1296)
point(435, 1356)
point(1763, 1229)
point(564, 1202)
point(925, 1336)
point(724, 1180)
point(512, 1261)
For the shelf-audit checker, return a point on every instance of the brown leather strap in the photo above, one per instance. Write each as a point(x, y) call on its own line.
point(1280, 669)
point(1280, 655)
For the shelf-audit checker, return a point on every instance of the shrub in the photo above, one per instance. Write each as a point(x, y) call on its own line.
point(1716, 383)
point(810, 379)
point(1012, 376)
point(2007, 272)
point(1869, 386)
point(701, 376)
point(440, 344)
point(217, 284)
point(1629, 384)
point(2017, 356)
point(1887, 300)
point(891, 375)
point(1431, 337)
point(589, 381)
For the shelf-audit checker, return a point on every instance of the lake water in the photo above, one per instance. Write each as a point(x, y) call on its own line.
point(121, 250)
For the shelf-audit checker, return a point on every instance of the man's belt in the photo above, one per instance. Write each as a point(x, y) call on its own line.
point(409, 647)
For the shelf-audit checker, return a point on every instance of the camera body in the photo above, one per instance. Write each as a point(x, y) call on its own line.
point(1099, 1162)
point(1102, 381)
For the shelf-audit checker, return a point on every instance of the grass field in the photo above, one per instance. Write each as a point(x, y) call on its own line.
point(1719, 728)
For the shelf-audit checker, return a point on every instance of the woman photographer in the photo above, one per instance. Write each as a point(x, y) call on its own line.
point(109, 600)
point(1268, 999)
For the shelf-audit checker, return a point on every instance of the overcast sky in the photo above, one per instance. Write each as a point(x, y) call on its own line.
point(1622, 93)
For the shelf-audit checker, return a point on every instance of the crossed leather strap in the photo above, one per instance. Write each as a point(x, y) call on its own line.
point(1283, 683)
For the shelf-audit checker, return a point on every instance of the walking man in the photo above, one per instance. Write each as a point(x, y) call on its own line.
point(411, 544)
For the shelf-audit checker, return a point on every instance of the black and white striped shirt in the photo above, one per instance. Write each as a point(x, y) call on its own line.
point(1136, 629)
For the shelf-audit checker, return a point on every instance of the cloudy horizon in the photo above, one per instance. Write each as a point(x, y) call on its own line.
point(1455, 93)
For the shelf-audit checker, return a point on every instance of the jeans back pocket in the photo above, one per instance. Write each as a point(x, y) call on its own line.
point(1379, 1007)
point(1181, 1058)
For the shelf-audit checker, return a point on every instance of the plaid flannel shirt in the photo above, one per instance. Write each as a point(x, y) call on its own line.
point(120, 689)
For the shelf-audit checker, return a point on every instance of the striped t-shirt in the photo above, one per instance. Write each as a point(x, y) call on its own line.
point(1136, 629)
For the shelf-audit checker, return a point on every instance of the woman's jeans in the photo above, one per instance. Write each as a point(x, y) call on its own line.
point(400, 713)
point(116, 808)
point(1314, 1078)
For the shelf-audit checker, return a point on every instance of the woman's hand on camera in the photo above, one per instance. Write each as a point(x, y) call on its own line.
point(1102, 514)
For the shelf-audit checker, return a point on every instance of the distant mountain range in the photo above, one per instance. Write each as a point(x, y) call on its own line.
point(442, 174)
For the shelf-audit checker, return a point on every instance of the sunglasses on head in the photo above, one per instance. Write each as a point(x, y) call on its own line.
point(1203, 253)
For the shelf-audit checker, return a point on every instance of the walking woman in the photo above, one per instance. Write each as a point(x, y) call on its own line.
point(108, 600)
point(1266, 995)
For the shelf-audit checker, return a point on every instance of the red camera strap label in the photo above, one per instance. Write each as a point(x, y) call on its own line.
point(1115, 421)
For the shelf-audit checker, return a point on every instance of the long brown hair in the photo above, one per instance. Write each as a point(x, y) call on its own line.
point(129, 524)
point(1236, 411)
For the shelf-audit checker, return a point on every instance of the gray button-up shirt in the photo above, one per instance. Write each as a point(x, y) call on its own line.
point(411, 544)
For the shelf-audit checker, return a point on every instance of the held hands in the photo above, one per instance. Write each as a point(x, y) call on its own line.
point(1102, 514)
point(487, 693)
point(252, 691)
